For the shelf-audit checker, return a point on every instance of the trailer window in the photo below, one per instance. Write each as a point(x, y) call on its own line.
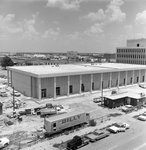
point(54, 124)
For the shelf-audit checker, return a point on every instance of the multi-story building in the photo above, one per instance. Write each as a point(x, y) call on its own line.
point(134, 53)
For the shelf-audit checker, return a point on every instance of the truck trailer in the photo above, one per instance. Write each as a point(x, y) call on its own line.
point(61, 122)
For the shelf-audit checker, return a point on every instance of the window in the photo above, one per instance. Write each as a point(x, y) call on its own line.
point(82, 88)
point(57, 90)
point(143, 79)
point(54, 126)
point(137, 79)
point(43, 93)
point(131, 80)
point(70, 89)
point(92, 85)
point(124, 81)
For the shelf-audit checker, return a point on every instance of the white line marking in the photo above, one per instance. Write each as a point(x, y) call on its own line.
point(113, 147)
point(139, 147)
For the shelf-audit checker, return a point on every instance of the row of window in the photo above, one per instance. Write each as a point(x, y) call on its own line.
point(44, 94)
point(130, 56)
point(131, 50)
point(132, 61)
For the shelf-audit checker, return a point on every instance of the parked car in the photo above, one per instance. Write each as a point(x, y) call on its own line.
point(122, 125)
point(142, 86)
point(4, 142)
point(17, 94)
point(3, 94)
point(115, 129)
point(142, 118)
point(97, 99)
point(128, 108)
point(97, 135)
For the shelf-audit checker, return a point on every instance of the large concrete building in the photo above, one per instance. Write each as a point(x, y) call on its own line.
point(66, 80)
point(133, 53)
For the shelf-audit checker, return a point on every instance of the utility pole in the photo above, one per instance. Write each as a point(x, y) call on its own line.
point(13, 102)
point(102, 93)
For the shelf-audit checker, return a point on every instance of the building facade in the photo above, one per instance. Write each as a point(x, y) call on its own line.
point(65, 80)
point(134, 53)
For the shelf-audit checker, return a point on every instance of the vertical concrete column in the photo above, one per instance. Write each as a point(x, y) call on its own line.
point(110, 80)
point(139, 77)
point(91, 81)
point(39, 88)
point(133, 77)
point(68, 84)
point(126, 78)
point(54, 88)
point(8, 77)
point(101, 85)
point(80, 84)
point(118, 79)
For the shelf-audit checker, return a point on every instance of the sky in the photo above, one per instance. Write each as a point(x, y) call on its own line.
point(86, 26)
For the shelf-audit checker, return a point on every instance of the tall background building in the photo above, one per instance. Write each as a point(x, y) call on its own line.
point(133, 53)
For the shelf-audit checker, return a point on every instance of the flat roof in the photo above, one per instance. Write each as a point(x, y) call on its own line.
point(43, 71)
point(64, 116)
point(122, 95)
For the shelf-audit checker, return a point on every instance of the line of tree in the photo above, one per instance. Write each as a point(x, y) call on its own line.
point(6, 61)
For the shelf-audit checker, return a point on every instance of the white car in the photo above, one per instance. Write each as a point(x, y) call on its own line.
point(142, 118)
point(4, 142)
point(122, 125)
point(115, 129)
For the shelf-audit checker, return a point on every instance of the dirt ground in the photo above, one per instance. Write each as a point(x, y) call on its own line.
point(30, 124)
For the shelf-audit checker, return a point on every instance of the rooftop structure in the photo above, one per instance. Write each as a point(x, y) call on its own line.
point(134, 53)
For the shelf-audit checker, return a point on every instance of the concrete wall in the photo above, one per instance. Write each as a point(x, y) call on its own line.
point(62, 83)
point(75, 82)
point(34, 87)
point(21, 83)
point(114, 79)
point(106, 80)
point(86, 80)
point(134, 42)
point(97, 81)
point(48, 84)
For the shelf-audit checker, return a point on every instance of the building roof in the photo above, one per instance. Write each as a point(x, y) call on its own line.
point(123, 95)
point(44, 71)
point(64, 116)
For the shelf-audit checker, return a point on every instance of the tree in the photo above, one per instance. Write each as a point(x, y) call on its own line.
point(6, 61)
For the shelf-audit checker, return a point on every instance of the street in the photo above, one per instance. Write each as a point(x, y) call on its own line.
point(133, 139)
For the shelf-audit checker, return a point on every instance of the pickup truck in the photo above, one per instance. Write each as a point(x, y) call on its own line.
point(97, 135)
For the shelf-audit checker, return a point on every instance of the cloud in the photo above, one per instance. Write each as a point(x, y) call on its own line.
point(141, 18)
point(95, 29)
point(64, 4)
point(28, 27)
point(95, 16)
point(74, 36)
point(113, 13)
point(50, 33)
point(6, 25)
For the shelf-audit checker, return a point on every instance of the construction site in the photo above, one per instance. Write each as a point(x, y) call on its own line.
point(22, 117)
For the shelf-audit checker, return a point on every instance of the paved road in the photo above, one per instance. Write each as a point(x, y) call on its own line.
point(133, 139)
